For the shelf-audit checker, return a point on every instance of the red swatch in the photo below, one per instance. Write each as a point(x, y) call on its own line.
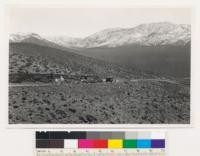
point(100, 143)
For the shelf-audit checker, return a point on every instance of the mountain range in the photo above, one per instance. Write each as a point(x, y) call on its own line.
point(151, 34)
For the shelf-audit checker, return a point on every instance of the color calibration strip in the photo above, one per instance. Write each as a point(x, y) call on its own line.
point(100, 143)
point(100, 140)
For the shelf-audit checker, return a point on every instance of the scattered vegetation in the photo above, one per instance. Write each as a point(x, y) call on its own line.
point(100, 103)
point(35, 59)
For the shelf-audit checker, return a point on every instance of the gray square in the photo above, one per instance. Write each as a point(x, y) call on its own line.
point(105, 135)
point(93, 135)
point(118, 135)
point(131, 135)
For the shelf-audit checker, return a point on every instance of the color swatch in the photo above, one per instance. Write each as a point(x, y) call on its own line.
point(102, 140)
point(115, 143)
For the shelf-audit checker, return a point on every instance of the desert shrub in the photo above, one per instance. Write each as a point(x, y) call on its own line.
point(72, 110)
point(91, 118)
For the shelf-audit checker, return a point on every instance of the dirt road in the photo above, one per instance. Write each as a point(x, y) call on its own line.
point(49, 84)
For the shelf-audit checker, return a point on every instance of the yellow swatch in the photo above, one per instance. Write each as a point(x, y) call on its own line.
point(115, 143)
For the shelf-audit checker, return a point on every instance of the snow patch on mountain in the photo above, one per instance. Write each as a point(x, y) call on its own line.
point(150, 34)
point(19, 37)
point(144, 34)
point(63, 40)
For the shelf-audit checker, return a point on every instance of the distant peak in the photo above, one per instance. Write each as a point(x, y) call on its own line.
point(104, 31)
point(34, 35)
point(18, 37)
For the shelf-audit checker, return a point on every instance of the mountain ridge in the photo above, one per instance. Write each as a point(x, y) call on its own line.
point(150, 34)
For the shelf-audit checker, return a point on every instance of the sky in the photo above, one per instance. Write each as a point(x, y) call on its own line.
point(82, 22)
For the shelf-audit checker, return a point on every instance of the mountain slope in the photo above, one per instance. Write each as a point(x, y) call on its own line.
point(164, 60)
point(32, 58)
point(144, 34)
point(151, 34)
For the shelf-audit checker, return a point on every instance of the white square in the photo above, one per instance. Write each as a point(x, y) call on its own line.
point(158, 135)
point(71, 143)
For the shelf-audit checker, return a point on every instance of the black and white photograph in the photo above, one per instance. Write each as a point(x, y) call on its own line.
point(99, 65)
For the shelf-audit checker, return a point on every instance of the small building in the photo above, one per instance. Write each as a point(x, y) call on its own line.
point(62, 78)
point(59, 80)
point(109, 79)
point(90, 79)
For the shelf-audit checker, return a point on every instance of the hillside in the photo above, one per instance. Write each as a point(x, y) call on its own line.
point(32, 58)
point(164, 60)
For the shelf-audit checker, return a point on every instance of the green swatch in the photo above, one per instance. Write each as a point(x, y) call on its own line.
point(129, 143)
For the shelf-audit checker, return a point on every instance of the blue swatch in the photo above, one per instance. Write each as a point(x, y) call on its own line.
point(143, 143)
